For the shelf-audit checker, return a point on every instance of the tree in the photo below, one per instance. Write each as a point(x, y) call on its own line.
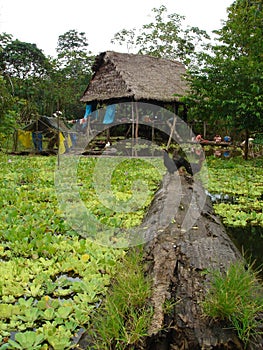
point(26, 70)
point(23, 60)
point(164, 37)
point(7, 116)
point(73, 71)
point(73, 55)
point(41, 85)
point(5, 39)
point(227, 85)
point(7, 119)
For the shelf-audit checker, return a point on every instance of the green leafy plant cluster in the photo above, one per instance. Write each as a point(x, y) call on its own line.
point(51, 279)
point(236, 297)
point(125, 315)
point(241, 180)
point(132, 182)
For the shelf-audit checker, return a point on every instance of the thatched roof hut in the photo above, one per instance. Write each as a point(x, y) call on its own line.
point(122, 77)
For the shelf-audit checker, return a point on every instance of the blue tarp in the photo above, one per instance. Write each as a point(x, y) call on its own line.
point(109, 114)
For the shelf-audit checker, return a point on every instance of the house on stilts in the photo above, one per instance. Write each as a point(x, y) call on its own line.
point(123, 77)
point(140, 88)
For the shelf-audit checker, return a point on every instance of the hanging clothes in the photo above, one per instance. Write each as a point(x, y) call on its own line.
point(25, 138)
point(88, 111)
point(37, 140)
point(69, 141)
point(109, 114)
point(62, 148)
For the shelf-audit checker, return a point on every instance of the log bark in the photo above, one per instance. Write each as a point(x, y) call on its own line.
point(185, 239)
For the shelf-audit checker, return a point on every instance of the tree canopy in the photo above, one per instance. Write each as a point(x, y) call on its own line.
point(227, 84)
point(32, 84)
point(23, 60)
point(166, 36)
point(73, 70)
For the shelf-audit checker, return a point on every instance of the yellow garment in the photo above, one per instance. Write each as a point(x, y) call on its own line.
point(69, 141)
point(25, 137)
point(62, 148)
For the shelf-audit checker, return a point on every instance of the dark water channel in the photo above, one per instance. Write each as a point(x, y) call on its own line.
point(249, 240)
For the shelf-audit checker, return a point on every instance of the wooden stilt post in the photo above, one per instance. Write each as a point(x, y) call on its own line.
point(132, 105)
point(171, 133)
point(137, 122)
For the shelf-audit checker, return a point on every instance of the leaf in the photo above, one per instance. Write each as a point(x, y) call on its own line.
point(49, 314)
point(28, 340)
point(64, 311)
point(14, 344)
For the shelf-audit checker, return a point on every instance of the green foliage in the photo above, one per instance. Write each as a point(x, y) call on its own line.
point(72, 41)
point(227, 84)
point(51, 279)
point(45, 84)
point(25, 70)
point(6, 96)
point(57, 336)
point(7, 116)
point(124, 317)
point(236, 297)
point(164, 37)
point(5, 39)
point(241, 180)
point(28, 340)
point(7, 124)
point(23, 60)
point(73, 70)
point(120, 191)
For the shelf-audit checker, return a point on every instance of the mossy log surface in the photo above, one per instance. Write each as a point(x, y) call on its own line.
point(178, 256)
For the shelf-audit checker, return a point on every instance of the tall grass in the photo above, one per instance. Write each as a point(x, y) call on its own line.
point(125, 315)
point(237, 297)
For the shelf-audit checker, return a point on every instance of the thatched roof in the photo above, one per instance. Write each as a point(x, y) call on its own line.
point(131, 77)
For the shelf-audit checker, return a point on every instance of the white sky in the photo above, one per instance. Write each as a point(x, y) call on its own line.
point(41, 22)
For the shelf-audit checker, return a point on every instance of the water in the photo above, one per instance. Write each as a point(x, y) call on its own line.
point(221, 198)
point(249, 240)
point(223, 153)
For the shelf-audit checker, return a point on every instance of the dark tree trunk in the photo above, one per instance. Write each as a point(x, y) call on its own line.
point(178, 254)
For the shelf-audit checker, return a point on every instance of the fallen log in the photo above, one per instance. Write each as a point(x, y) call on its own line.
point(184, 240)
point(179, 251)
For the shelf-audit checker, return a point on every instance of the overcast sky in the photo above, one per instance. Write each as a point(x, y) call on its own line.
point(41, 22)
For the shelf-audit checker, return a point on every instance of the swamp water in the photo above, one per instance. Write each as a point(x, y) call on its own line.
point(249, 240)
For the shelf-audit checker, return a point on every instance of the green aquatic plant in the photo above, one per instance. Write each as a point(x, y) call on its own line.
point(50, 277)
point(242, 181)
point(29, 340)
